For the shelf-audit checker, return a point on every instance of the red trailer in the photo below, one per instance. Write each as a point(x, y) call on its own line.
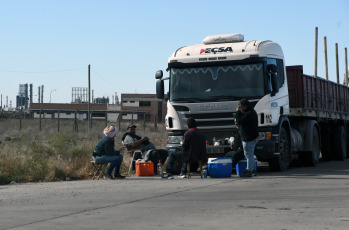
point(324, 102)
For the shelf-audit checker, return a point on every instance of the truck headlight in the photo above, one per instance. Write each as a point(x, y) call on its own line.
point(175, 139)
point(264, 136)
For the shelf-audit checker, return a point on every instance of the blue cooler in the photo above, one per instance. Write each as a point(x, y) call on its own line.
point(242, 165)
point(220, 167)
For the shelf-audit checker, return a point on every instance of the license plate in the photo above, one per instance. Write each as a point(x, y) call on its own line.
point(215, 150)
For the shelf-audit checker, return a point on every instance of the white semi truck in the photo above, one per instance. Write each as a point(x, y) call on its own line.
point(298, 115)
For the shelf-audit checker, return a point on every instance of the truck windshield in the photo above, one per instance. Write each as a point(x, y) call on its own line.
point(218, 83)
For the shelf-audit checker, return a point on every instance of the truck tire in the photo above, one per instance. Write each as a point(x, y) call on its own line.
point(326, 143)
point(311, 158)
point(280, 163)
point(340, 143)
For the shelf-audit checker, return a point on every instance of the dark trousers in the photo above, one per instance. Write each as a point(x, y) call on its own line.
point(193, 167)
point(156, 155)
point(174, 163)
point(236, 155)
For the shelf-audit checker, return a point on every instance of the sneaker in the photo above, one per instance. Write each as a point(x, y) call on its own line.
point(182, 176)
point(247, 173)
point(170, 176)
point(108, 176)
point(119, 176)
point(254, 172)
point(165, 176)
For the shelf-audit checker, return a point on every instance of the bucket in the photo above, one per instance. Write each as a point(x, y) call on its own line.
point(242, 165)
point(220, 167)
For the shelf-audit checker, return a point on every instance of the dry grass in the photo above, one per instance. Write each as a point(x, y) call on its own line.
point(30, 155)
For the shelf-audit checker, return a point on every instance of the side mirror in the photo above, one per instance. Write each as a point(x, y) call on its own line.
point(160, 89)
point(158, 74)
point(274, 84)
point(272, 69)
point(167, 96)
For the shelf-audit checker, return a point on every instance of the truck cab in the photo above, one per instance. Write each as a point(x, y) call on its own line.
point(207, 81)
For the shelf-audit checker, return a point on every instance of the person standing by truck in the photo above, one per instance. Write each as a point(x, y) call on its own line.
point(247, 120)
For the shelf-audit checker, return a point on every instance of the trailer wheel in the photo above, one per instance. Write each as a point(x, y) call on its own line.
point(340, 145)
point(281, 162)
point(311, 158)
point(326, 143)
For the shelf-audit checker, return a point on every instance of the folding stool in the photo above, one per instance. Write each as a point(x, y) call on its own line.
point(98, 169)
point(201, 170)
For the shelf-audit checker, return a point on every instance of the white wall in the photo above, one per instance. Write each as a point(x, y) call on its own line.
point(129, 116)
point(113, 117)
point(131, 104)
point(61, 115)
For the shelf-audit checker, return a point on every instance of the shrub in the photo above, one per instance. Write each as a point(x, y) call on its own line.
point(29, 155)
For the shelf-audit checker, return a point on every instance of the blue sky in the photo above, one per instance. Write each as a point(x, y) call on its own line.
point(52, 42)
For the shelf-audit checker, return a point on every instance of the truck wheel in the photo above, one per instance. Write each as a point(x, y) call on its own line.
point(280, 163)
point(340, 144)
point(326, 143)
point(311, 158)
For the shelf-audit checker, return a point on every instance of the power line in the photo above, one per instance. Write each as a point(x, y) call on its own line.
point(103, 78)
point(52, 71)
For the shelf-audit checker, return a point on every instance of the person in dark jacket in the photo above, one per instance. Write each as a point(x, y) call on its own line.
point(247, 120)
point(104, 153)
point(194, 145)
point(237, 153)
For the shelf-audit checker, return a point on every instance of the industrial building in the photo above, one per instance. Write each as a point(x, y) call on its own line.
point(143, 107)
point(69, 111)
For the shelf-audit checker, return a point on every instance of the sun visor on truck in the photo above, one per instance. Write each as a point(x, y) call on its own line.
point(223, 38)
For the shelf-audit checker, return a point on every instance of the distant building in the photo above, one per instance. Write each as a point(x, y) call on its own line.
point(68, 111)
point(143, 106)
point(101, 100)
point(22, 97)
point(79, 95)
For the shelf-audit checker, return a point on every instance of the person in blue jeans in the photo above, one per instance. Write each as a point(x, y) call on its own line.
point(247, 120)
point(104, 153)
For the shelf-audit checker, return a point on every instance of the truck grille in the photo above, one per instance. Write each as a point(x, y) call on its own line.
point(210, 115)
point(213, 119)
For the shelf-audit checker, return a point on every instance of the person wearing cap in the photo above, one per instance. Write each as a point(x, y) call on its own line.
point(149, 151)
point(247, 120)
point(104, 153)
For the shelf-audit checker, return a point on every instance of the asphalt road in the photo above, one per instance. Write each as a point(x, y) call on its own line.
point(301, 198)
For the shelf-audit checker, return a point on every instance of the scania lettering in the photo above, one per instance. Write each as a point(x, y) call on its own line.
point(298, 115)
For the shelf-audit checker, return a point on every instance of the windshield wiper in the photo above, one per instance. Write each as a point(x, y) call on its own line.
point(187, 99)
point(224, 97)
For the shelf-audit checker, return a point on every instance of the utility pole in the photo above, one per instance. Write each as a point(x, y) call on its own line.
point(326, 65)
point(316, 38)
point(346, 67)
point(89, 99)
point(337, 64)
